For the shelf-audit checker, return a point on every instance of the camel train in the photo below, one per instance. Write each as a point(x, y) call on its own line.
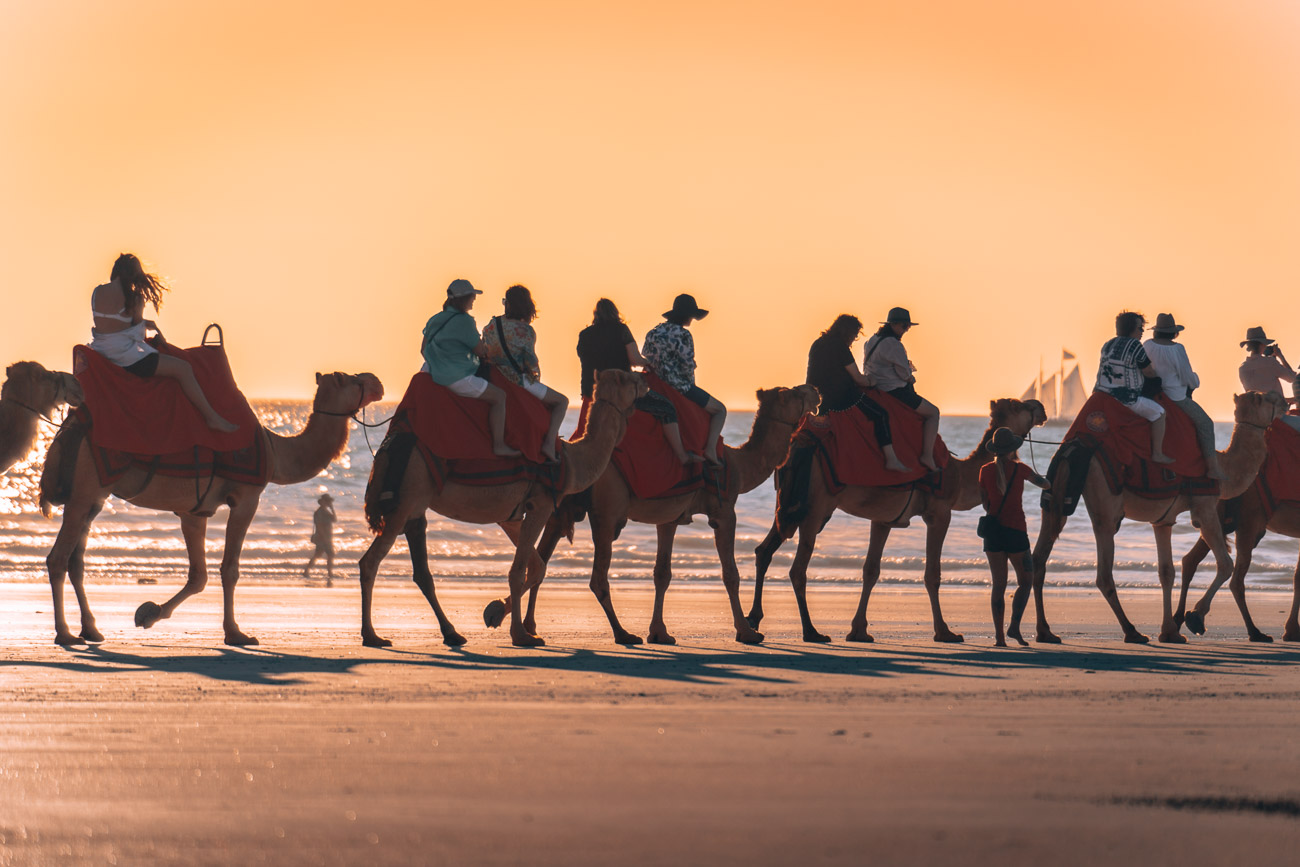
point(842, 442)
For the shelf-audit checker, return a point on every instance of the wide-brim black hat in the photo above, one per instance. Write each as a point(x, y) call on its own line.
point(684, 305)
point(899, 316)
point(1004, 441)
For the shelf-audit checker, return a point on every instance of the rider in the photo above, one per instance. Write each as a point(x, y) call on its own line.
point(832, 371)
point(512, 347)
point(1124, 365)
point(119, 329)
point(888, 368)
point(1265, 365)
point(451, 347)
point(1169, 360)
point(669, 351)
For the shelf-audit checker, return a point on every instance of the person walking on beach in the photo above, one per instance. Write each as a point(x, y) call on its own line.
point(669, 351)
point(119, 327)
point(451, 347)
point(1003, 528)
point(1178, 380)
point(1123, 367)
point(1265, 365)
point(888, 368)
point(323, 537)
point(511, 345)
point(607, 344)
point(835, 375)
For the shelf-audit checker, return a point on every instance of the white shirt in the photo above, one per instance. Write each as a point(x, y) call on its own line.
point(1170, 363)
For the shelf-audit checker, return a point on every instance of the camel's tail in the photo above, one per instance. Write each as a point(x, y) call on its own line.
point(793, 487)
point(60, 463)
point(385, 484)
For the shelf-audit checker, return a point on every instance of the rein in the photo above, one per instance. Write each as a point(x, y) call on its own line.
point(33, 410)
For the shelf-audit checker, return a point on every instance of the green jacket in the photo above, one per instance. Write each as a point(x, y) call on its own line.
point(448, 346)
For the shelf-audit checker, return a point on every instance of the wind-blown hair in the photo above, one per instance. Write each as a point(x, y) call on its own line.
point(845, 328)
point(136, 284)
point(605, 311)
point(519, 304)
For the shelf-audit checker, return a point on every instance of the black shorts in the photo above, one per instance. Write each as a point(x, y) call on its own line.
point(658, 407)
point(907, 395)
point(697, 396)
point(145, 367)
point(1007, 541)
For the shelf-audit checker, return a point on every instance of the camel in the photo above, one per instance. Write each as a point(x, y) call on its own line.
point(612, 505)
point(886, 508)
point(521, 508)
point(1252, 521)
point(1245, 454)
point(30, 393)
point(291, 460)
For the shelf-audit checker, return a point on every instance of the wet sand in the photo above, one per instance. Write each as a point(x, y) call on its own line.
point(163, 746)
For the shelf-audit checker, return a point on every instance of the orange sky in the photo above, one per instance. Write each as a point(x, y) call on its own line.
point(311, 175)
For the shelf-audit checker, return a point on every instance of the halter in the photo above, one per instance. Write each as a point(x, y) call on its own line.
point(361, 401)
point(626, 413)
point(60, 392)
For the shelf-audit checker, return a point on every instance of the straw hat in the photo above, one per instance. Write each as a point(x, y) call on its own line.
point(1256, 335)
point(1004, 441)
point(1165, 322)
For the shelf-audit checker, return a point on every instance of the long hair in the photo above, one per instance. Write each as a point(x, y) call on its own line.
point(519, 304)
point(136, 284)
point(605, 311)
point(845, 328)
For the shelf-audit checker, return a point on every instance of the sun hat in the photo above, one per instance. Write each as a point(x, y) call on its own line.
point(1165, 322)
point(1004, 441)
point(325, 499)
point(1256, 335)
point(460, 287)
point(899, 316)
point(684, 305)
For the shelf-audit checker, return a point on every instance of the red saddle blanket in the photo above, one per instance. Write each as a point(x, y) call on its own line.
point(1125, 438)
point(456, 428)
point(850, 455)
point(1280, 475)
point(644, 458)
point(153, 416)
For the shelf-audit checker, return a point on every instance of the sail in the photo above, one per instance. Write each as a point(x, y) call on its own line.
point(1073, 396)
point(1067, 355)
point(1031, 393)
point(1048, 396)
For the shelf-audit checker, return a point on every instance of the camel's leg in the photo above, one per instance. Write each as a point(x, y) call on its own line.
point(762, 560)
point(724, 539)
point(194, 530)
point(1238, 587)
point(241, 516)
point(1225, 569)
point(1164, 534)
point(870, 575)
point(663, 576)
point(1049, 532)
point(1104, 532)
point(1291, 632)
point(77, 516)
point(77, 575)
point(536, 567)
point(1191, 560)
point(808, 532)
point(418, 546)
point(525, 551)
point(369, 567)
point(602, 539)
point(936, 530)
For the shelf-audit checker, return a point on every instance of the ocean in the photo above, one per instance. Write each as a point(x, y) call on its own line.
point(128, 544)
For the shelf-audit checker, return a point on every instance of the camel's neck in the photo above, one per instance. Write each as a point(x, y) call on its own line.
point(301, 458)
point(1241, 462)
point(588, 457)
point(767, 446)
point(17, 433)
point(964, 474)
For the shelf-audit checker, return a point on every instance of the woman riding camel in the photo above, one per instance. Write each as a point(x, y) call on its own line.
point(451, 347)
point(1123, 367)
point(888, 368)
point(1178, 380)
point(119, 328)
point(512, 347)
point(1265, 365)
point(835, 375)
point(607, 344)
point(669, 351)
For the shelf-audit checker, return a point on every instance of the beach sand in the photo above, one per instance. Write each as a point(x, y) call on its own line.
point(163, 746)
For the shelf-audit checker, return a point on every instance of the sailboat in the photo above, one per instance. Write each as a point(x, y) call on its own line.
point(1061, 394)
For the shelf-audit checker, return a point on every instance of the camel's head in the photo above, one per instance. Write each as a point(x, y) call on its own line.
point(620, 387)
point(345, 393)
point(32, 385)
point(789, 405)
point(1258, 408)
point(1019, 415)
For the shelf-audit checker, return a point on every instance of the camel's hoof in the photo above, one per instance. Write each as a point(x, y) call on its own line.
point(1261, 637)
point(948, 637)
point(528, 641)
point(1179, 619)
point(753, 620)
point(494, 614)
point(815, 637)
point(148, 614)
point(1136, 638)
point(627, 638)
point(749, 636)
point(1172, 638)
point(239, 639)
point(451, 638)
point(862, 636)
point(1291, 635)
point(67, 639)
point(1195, 622)
point(1048, 638)
point(375, 641)
point(661, 638)
point(91, 634)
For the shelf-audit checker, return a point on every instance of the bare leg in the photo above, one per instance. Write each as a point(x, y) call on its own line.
point(306, 570)
point(179, 369)
point(496, 401)
point(1023, 563)
point(998, 600)
point(673, 434)
point(559, 405)
point(892, 463)
point(929, 433)
point(1158, 442)
point(1291, 632)
point(329, 567)
point(663, 576)
point(717, 418)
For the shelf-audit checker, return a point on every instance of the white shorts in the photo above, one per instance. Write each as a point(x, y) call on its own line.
point(1147, 408)
point(470, 386)
point(537, 390)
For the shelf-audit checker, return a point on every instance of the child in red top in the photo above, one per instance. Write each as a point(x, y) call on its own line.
point(1002, 486)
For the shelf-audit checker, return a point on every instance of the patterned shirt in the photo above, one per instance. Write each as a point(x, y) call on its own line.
point(521, 340)
point(1119, 372)
point(670, 351)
